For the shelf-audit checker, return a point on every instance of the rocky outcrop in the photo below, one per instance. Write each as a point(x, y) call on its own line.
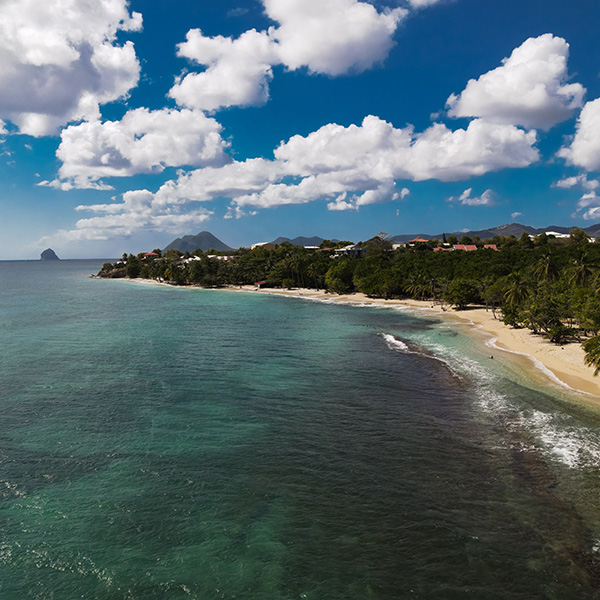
point(49, 254)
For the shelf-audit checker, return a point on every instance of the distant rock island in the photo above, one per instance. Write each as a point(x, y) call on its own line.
point(48, 254)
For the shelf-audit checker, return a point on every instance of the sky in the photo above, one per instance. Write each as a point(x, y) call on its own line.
point(126, 124)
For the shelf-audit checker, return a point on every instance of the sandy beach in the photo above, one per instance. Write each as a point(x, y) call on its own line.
point(544, 360)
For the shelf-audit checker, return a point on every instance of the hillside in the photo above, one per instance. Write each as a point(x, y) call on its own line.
point(202, 241)
point(516, 229)
point(300, 241)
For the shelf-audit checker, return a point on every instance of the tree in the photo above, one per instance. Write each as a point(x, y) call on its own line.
point(461, 292)
point(578, 236)
point(592, 353)
point(133, 267)
point(525, 241)
point(546, 268)
point(516, 291)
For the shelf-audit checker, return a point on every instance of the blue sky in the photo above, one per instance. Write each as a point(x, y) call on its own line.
point(127, 124)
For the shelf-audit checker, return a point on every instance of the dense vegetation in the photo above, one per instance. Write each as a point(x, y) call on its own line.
point(548, 285)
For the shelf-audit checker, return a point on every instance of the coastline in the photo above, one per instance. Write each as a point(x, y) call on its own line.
point(544, 361)
point(547, 362)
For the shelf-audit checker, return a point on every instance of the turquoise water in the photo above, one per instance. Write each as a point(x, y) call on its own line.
point(175, 443)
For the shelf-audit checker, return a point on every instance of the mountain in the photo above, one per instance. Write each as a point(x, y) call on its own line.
point(202, 241)
point(516, 229)
point(49, 254)
point(301, 241)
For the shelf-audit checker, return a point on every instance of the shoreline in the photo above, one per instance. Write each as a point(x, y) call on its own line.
point(563, 366)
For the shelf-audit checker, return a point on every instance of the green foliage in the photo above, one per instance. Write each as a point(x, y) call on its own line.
point(133, 267)
point(462, 292)
point(592, 353)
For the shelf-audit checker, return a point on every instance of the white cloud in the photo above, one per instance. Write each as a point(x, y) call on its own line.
point(386, 192)
point(529, 89)
point(331, 37)
point(59, 60)
point(585, 147)
point(591, 202)
point(139, 211)
point(142, 142)
point(515, 215)
point(580, 180)
point(377, 151)
point(486, 199)
point(422, 3)
point(238, 71)
point(348, 166)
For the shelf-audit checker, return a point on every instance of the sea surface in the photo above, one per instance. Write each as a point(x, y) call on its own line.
point(167, 443)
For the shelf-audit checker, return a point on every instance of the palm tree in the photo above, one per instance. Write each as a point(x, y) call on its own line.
point(592, 353)
point(417, 285)
point(546, 269)
point(516, 292)
point(581, 271)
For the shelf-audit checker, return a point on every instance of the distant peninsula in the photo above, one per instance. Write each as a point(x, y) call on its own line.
point(48, 254)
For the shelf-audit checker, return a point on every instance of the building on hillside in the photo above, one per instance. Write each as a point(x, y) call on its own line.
point(465, 247)
point(491, 247)
point(265, 245)
point(351, 250)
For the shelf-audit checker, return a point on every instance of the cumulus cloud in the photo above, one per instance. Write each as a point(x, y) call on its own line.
point(422, 3)
point(331, 37)
point(590, 203)
point(584, 150)
point(386, 192)
point(140, 211)
point(486, 199)
point(237, 74)
point(530, 88)
point(349, 167)
point(142, 141)
point(515, 215)
point(580, 180)
point(376, 150)
point(59, 60)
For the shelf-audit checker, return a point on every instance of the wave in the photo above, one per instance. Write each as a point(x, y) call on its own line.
point(398, 345)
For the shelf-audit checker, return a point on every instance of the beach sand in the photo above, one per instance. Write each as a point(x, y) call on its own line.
point(541, 358)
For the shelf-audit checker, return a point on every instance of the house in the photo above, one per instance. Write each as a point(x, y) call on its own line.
point(465, 247)
point(265, 245)
point(491, 247)
point(350, 250)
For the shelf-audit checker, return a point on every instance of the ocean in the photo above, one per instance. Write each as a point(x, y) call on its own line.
point(166, 443)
